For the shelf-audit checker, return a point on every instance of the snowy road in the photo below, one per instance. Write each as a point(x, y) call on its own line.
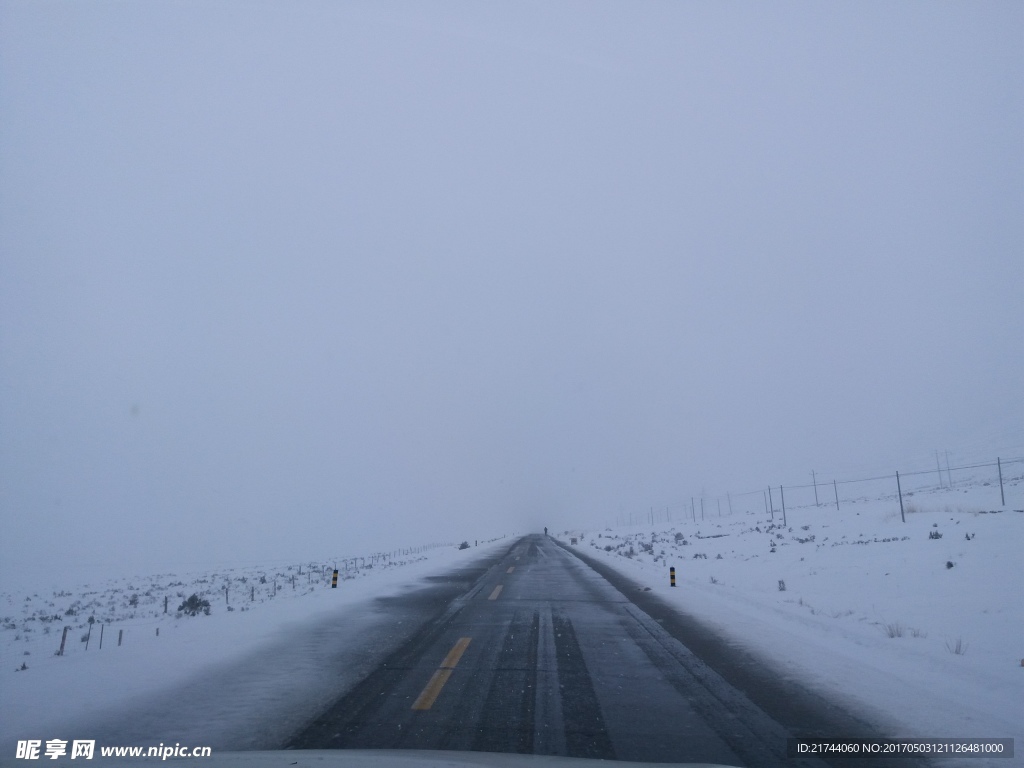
point(545, 655)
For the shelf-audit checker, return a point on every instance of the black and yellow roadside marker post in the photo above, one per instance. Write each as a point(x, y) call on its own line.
point(334, 579)
point(672, 575)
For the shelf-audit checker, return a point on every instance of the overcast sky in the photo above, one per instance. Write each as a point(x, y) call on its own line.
point(285, 279)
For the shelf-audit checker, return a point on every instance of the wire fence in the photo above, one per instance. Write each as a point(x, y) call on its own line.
point(899, 487)
point(126, 611)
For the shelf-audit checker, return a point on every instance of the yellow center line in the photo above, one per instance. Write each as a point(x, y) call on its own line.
point(510, 569)
point(455, 653)
point(429, 694)
point(495, 593)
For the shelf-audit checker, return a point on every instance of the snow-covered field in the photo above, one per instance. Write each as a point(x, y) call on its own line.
point(919, 624)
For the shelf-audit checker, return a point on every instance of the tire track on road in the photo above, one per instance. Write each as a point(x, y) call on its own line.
point(586, 734)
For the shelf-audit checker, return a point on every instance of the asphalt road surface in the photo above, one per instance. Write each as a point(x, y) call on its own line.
point(546, 655)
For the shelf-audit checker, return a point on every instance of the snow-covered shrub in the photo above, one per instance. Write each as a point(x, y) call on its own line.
point(959, 647)
point(194, 605)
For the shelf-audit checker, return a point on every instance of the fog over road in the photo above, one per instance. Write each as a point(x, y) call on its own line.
point(545, 655)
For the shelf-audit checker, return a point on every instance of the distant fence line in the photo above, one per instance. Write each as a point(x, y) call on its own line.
point(938, 471)
point(775, 496)
point(242, 589)
point(378, 557)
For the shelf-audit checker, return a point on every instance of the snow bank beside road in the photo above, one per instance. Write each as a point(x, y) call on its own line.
point(243, 679)
point(860, 605)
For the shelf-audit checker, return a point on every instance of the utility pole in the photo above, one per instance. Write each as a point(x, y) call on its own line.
point(814, 480)
point(899, 491)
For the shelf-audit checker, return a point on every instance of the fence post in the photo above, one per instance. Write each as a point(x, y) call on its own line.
point(120, 636)
point(88, 634)
point(101, 636)
point(900, 491)
point(63, 639)
point(783, 496)
point(729, 496)
point(836, 489)
point(1002, 497)
point(771, 502)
